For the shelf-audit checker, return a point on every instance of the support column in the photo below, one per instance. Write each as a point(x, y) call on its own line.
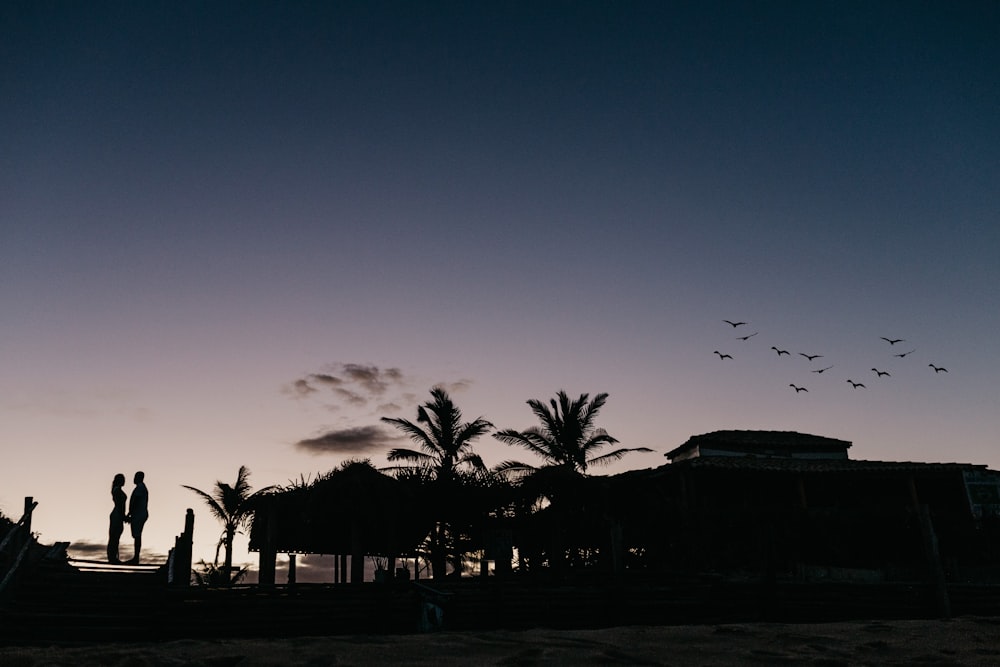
point(267, 562)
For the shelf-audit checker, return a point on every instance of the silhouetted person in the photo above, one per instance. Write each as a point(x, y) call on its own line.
point(117, 517)
point(138, 512)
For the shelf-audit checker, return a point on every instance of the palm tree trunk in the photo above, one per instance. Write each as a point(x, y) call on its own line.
point(439, 554)
point(228, 567)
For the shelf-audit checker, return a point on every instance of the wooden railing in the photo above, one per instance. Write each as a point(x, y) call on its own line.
point(15, 545)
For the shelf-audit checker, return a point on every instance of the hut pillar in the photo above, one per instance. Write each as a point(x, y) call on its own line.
point(268, 552)
point(357, 556)
point(502, 563)
point(617, 548)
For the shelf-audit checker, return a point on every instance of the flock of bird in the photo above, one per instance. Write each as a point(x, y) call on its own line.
point(879, 373)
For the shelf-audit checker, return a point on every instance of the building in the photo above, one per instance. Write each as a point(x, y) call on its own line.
point(782, 501)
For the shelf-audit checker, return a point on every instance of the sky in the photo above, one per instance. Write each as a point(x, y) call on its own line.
point(241, 233)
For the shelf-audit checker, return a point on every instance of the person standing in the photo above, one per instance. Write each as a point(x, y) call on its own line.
point(138, 512)
point(117, 517)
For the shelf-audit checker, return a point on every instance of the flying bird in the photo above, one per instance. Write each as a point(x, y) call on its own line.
point(881, 373)
point(903, 354)
point(810, 357)
point(780, 352)
point(734, 324)
point(723, 356)
point(798, 389)
point(856, 384)
point(938, 369)
point(748, 337)
point(892, 341)
point(820, 370)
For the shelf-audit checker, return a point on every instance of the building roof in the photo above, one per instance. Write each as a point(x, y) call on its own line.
point(788, 441)
point(749, 463)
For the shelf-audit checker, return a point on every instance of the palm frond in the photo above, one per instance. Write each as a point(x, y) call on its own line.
point(474, 460)
point(440, 433)
point(213, 505)
point(532, 439)
point(414, 432)
point(616, 455)
point(402, 454)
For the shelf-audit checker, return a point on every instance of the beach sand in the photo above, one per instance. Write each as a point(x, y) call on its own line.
point(961, 641)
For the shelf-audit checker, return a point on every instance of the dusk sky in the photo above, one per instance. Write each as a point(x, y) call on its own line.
point(240, 233)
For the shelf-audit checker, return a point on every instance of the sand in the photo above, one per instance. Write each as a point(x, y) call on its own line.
point(962, 641)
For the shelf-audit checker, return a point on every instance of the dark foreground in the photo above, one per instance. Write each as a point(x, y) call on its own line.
point(62, 615)
point(961, 641)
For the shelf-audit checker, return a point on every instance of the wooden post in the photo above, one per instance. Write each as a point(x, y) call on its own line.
point(29, 505)
point(504, 554)
point(357, 556)
point(268, 558)
point(291, 569)
point(617, 549)
point(180, 556)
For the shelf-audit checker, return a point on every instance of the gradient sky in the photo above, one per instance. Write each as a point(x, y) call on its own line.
point(240, 233)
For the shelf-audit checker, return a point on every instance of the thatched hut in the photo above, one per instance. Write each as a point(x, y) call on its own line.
point(355, 510)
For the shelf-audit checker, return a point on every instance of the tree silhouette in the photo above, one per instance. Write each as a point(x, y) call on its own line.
point(566, 520)
point(445, 444)
point(233, 506)
point(567, 436)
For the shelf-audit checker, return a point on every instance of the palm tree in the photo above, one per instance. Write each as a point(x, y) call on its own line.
point(446, 442)
point(569, 442)
point(445, 450)
point(233, 506)
point(567, 436)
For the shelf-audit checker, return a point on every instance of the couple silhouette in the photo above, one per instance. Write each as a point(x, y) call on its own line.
point(138, 512)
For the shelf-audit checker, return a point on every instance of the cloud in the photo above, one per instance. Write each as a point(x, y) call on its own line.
point(310, 568)
point(375, 380)
point(455, 387)
point(91, 550)
point(300, 389)
point(356, 440)
point(355, 384)
point(87, 550)
point(324, 378)
point(351, 397)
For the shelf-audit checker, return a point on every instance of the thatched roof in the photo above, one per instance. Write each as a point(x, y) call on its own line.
point(353, 505)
